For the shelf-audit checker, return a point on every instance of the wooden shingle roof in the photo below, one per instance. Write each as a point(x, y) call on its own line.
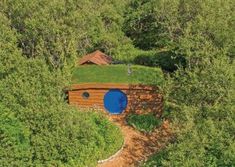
point(97, 57)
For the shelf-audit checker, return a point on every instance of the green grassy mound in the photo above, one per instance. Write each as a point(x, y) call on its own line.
point(79, 139)
point(117, 74)
point(144, 123)
point(96, 138)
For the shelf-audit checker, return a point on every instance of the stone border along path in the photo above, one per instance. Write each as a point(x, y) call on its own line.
point(137, 146)
point(113, 156)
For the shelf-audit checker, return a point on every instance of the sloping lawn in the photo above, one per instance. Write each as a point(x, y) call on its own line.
point(117, 74)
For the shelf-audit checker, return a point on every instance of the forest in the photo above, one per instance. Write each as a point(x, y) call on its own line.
point(192, 42)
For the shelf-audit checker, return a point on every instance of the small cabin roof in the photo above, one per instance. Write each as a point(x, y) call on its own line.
point(97, 57)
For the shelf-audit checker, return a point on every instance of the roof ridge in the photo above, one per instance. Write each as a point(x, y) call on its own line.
point(96, 56)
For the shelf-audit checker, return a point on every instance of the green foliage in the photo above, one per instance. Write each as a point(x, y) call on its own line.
point(200, 95)
point(203, 116)
point(8, 47)
point(167, 60)
point(201, 141)
point(155, 160)
point(144, 123)
point(59, 30)
point(163, 23)
point(118, 74)
point(148, 22)
point(36, 127)
point(73, 139)
point(14, 141)
point(111, 140)
point(59, 135)
point(41, 30)
point(209, 84)
point(39, 41)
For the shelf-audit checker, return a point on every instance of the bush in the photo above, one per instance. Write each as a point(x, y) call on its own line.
point(14, 141)
point(155, 160)
point(73, 138)
point(167, 60)
point(56, 138)
point(144, 123)
point(202, 141)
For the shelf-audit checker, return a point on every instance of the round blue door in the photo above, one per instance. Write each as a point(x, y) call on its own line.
point(115, 101)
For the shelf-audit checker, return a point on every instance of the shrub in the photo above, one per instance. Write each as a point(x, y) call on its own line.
point(155, 160)
point(200, 142)
point(143, 123)
point(14, 141)
point(167, 60)
point(73, 138)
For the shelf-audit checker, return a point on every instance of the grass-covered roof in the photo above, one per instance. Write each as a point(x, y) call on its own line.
point(117, 74)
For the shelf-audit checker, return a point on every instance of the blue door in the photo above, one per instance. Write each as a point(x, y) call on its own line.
point(115, 101)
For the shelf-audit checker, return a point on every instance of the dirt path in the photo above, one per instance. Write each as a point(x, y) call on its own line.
point(137, 146)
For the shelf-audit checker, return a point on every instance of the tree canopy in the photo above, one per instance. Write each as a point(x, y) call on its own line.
point(191, 41)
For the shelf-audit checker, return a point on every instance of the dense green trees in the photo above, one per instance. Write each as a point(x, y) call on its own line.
point(180, 28)
point(202, 106)
point(37, 127)
point(40, 40)
point(58, 30)
point(14, 137)
point(200, 96)
point(162, 24)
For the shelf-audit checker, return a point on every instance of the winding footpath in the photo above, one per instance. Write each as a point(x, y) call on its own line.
point(138, 146)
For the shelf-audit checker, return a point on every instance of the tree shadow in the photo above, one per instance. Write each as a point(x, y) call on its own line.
point(167, 60)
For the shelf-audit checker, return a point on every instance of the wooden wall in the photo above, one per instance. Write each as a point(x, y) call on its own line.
point(141, 98)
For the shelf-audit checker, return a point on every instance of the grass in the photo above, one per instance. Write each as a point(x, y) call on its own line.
point(117, 74)
point(144, 123)
point(110, 139)
point(155, 159)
